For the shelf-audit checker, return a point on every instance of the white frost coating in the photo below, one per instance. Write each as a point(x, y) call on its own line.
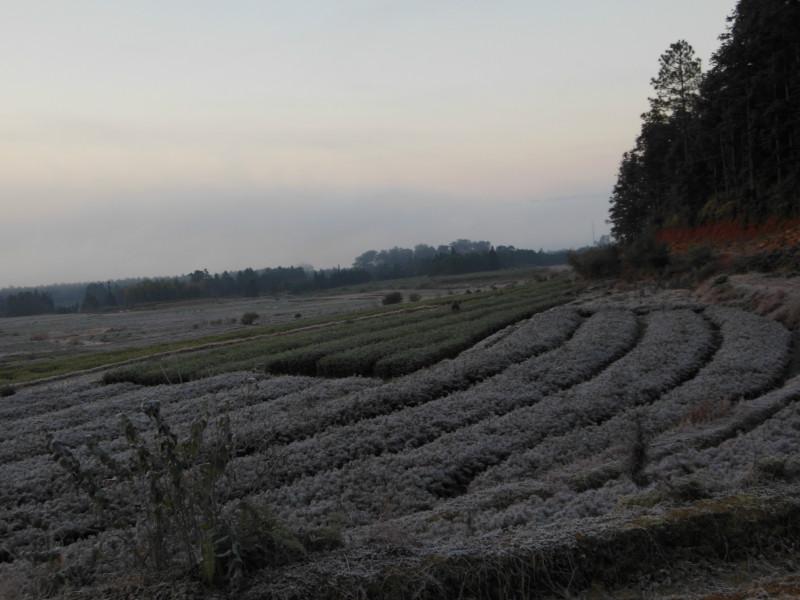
point(36, 400)
point(535, 336)
point(281, 391)
point(608, 334)
point(752, 356)
point(252, 426)
point(515, 458)
point(542, 332)
point(673, 346)
point(180, 403)
point(767, 428)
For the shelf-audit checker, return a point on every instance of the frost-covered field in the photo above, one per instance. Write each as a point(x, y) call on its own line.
point(20, 336)
point(579, 420)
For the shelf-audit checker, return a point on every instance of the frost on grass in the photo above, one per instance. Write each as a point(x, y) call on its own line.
point(672, 348)
point(523, 438)
point(751, 357)
point(609, 333)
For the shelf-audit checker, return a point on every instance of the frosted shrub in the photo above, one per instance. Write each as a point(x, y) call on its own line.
point(175, 494)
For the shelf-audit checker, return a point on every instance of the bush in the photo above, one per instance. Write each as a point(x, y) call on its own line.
point(249, 318)
point(414, 298)
point(595, 263)
point(174, 492)
point(392, 298)
point(647, 253)
point(700, 256)
point(6, 391)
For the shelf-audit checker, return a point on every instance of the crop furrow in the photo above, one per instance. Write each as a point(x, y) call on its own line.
point(542, 333)
point(599, 341)
point(98, 419)
point(671, 348)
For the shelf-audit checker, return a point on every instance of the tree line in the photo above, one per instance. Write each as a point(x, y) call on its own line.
point(460, 256)
point(722, 145)
point(27, 303)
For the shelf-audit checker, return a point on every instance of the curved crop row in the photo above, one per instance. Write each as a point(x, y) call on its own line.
point(283, 394)
point(252, 354)
point(751, 358)
point(761, 432)
point(673, 346)
point(74, 425)
point(408, 360)
point(47, 495)
point(598, 341)
point(541, 333)
point(455, 332)
point(32, 401)
point(535, 336)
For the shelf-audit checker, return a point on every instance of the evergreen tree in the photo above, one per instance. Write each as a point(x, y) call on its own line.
point(724, 145)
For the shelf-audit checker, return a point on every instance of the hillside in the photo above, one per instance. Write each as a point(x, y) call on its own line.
point(584, 448)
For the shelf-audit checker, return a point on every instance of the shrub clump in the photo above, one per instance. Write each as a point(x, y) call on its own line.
point(249, 318)
point(392, 298)
point(647, 254)
point(596, 263)
point(173, 492)
point(7, 390)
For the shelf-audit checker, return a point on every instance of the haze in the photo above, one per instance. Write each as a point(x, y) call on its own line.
point(153, 138)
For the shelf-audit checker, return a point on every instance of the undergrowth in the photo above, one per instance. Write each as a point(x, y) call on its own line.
point(173, 494)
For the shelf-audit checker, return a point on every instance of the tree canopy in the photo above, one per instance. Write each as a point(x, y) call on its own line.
point(724, 145)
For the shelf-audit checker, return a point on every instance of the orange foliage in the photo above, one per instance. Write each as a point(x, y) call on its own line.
point(773, 234)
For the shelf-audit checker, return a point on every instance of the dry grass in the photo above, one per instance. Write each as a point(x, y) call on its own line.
point(707, 411)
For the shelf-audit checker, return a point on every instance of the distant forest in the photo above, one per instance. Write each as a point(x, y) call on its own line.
point(461, 256)
point(722, 145)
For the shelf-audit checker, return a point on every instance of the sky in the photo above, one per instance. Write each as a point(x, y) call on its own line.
point(159, 136)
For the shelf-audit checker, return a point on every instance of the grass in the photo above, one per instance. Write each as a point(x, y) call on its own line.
point(244, 352)
point(353, 347)
point(33, 368)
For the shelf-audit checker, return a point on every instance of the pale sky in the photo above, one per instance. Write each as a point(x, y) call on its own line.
point(156, 137)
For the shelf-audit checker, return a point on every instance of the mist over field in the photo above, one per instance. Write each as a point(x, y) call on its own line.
point(162, 137)
point(101, 241)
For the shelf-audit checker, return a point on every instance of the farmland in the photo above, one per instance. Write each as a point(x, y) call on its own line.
point(402, 343)
point(33, 348)
point(529, 444)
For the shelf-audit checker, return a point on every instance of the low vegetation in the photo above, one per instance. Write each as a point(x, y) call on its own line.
point(34, 367)
point(595, 424)
point(392, 298)
point(402, 343)
point(249, 318)
point(174, 493)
